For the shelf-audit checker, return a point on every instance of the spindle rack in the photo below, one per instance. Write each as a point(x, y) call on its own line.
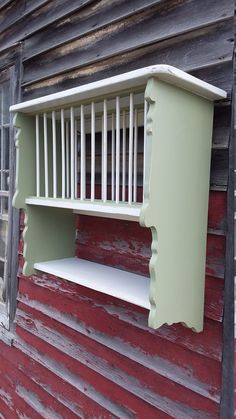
point(150, 128)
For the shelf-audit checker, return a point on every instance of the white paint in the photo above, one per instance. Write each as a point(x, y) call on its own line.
point(45, 153)
point(72, 153)
point(123, 81)
point(37, 156)
point(67, 161)
point(131, 123)
point(123, 155)
point(82, 156)
point(63, 155)
point(104, 151)
point(97, 208)
point(54, 163)
point(92, 151)
point(135, 155)
point(124, 285)
point(112, 157)
point(117, 149)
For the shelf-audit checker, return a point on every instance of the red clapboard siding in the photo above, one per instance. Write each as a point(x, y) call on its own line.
point(55, 394)
point(36, 289)
point(128, 374)
point(98, 320)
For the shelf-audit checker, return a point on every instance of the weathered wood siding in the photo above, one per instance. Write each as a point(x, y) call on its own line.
point(79, 353)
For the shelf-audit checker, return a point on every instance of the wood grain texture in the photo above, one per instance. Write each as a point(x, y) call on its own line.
point(105, 14)
point(188, 50)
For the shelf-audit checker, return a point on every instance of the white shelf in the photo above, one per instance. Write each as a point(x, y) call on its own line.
point(115, 282)
point(110, 210)
point(128, 80)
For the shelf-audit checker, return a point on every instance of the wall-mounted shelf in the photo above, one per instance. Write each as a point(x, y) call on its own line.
point(147, 130)
point(115, 282)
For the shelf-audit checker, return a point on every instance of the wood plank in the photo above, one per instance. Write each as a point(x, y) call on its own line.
point(83, 23)
point(219, 167)
point(122, 40)
point(37, 292)
point(53, 390)
point(227, 403)
point(120, 284)
point(160, 356)
point(18, 22)
point(80, 349)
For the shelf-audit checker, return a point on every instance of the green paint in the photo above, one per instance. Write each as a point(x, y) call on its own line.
point(176, 189)
point(179, 132)
point(49, 234)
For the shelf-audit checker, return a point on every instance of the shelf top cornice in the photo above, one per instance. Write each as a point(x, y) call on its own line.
point(129, 80)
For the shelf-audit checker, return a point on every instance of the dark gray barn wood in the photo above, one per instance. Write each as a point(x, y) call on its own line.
point(201, 47)
point(228, 383)
point(106, 14)
point(18, 25)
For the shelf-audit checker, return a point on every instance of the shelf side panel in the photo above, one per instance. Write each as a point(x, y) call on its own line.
point(49, 234)
point(179, 132)
point(25, 158)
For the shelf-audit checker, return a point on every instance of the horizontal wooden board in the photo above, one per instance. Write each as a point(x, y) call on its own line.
point(184, 52)
point(207, 344)
point(105, 14)
point(27, 17)
point(111, 365)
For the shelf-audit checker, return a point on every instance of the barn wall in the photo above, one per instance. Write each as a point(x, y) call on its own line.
point(76, 352)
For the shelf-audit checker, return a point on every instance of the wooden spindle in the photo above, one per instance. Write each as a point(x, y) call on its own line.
point(63, 156)
point(45, 134)
point(117, 149)
point(37, 156)
point(135, 155)
point(123, 155)
point(92, 151)
point(67, 161)
point(104, 151)
point(112, 157)
point(54, 154)
point(82, 156)
point(130, 172)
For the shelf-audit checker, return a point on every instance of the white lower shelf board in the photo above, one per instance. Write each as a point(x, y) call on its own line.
point(120, 284)
point(98, 208)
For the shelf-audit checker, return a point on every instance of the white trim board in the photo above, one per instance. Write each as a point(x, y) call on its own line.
point(124, 285)
point(119, 211)
point(123, 81)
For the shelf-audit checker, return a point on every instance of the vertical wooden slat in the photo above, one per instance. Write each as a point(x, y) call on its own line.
point(76, 159)
point(63, 157)
point(45, 134)
point(54, 152)
point(37, 157)
point(117, 149)
point(131, 123)
point(135, 155)
point(123, 155)
point(112, 157)
point(144, 141)
point(82, 156)
point(72, 153)
point(105, 150)
point(92, 151)
point(102, 159)
point(67, 161)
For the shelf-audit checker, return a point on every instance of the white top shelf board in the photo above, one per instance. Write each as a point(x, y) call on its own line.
point(115, 282)
point(119, 211)
point(130, 80)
